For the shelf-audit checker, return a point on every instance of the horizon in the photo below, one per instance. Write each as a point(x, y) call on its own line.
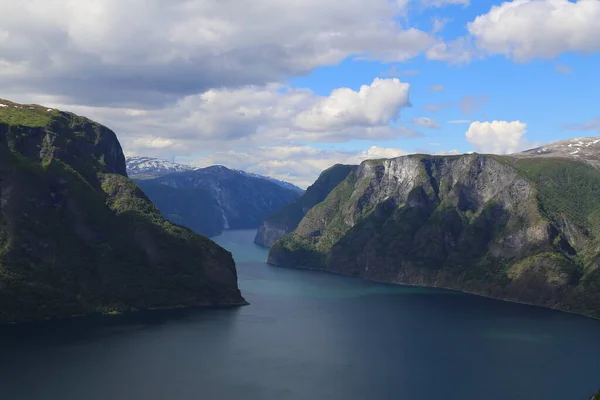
point(287, 90)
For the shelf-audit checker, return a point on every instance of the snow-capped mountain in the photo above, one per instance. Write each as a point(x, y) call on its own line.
point(586, 149)
point(149, 167)
point(209, 199)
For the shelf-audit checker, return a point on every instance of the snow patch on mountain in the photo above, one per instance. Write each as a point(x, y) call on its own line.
point(153, 167)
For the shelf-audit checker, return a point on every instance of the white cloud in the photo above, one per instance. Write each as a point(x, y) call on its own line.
point(459, 121)
point(300, 165)
point(527, 29)
point(436, 88)
point(256, 116)
point(439, 24)
point(426, 122)
point(153, 52)
point(498, 137)
point(458, 51)
point(374, 105)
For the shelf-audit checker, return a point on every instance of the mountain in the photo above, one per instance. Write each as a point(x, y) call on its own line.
point(149, 167)
point(287, 218)
point(283, 184)
point(523, 228)
point(78, 237)
point(583, 149)
point(211, 199)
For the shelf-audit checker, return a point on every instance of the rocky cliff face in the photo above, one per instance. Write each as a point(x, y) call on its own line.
point(524, 229)
point(211, 199)
point(78, 237)
point(287, 218)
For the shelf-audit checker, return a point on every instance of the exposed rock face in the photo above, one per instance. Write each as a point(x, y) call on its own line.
point(211, 199)
point(78, 237)
point(287, 218)
point(524, 229)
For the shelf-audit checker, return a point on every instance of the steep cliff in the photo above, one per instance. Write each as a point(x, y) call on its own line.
point(211, 199)
point(287, 218)
point(78, 237)
point(520, 228)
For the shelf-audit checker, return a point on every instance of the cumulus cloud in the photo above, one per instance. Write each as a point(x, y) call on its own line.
point(498, 137)
point(593, 125)
point(527, 29)
point(426, 122)
point(300, 165)
point(136, 52)
point(373, 105)
point(255, 116)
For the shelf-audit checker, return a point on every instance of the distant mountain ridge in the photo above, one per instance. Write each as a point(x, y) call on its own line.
point(150, 167)
point(586, 149)
point(139, 167)
point(209, 200)
point(279, 182)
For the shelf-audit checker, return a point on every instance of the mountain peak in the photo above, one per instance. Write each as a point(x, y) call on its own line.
point(586, 149)
point(149, 167)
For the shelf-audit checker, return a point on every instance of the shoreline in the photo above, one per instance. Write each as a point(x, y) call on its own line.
point(440, 287)
point(109, 314)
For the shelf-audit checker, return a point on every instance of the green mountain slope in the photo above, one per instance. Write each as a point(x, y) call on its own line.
point(195, 208)
point(524, 229)
point(287, 218)
point(78, 237)
point(211, 199)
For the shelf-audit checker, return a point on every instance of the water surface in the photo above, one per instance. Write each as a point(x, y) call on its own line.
point(309, 335)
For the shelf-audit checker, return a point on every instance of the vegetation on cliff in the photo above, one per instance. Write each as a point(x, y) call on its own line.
point(518, 228)
point(211, 199)
point(287, 218)
point(78, 237)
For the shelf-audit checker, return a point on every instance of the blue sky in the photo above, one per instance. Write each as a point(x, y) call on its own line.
point(290, 88)
point(546, 94)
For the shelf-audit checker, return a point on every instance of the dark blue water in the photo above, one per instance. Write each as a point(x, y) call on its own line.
point(309, 335)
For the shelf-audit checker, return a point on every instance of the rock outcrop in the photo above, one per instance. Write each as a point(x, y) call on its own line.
point(287, 218)
point(520, 228)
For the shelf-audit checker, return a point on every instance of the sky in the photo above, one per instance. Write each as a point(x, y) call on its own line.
point(289, 88)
